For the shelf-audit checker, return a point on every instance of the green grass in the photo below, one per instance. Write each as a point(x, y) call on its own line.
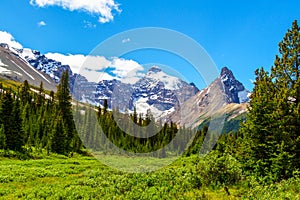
point(80, 177)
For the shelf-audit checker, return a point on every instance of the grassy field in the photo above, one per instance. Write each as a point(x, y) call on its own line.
point(80, 177)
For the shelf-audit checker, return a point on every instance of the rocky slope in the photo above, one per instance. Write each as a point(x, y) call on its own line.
point(14, 66)
point(225, 98)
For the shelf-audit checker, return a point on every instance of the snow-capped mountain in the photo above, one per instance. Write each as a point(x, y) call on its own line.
point(216, 99)
point(49, 66)
point(156, 90)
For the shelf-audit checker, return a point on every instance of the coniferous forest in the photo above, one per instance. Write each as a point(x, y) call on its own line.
point(261, 160)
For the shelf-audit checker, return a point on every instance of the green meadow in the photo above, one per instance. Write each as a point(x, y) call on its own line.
point(84, 177)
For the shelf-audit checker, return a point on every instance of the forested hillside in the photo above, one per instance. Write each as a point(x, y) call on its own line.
point(33, 118)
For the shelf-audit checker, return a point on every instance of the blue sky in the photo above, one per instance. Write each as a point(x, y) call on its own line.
point(242, 35)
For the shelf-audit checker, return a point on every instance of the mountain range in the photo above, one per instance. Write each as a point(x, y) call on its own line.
point(168, 97)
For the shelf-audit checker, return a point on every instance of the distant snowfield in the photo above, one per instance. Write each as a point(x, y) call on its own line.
point(4, 70)
point(243, 96)
point(7, 71)
point(27, 53)
point(142, 106)
point(2, 64)
point(170, 82)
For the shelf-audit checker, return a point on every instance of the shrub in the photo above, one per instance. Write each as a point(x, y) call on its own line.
point(219, 169)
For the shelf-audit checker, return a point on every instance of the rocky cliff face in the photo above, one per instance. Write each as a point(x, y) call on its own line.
point(14, 66)
point(216, 99)
point(234, 90)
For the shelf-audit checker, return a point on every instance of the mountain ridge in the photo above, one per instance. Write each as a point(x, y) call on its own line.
point(16, 68)
point(168, 97)
point(213, 100)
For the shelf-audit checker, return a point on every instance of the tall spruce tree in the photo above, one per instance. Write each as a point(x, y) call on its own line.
point(6, 118)
point(271, 133)
point(25, 95)
point(65, 110)
point(17, 127)
point(41, 95)
point(2, 137)
point(59, 137)
point(286, 76)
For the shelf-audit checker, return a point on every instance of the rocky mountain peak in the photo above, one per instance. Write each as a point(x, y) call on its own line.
point(154, 69)
point(4, 45)
point(234, 90)
point(223, 92)
point(226, 72)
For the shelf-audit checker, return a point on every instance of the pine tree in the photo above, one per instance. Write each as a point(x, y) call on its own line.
point(25, 93)
point(105, 106)
point(6, 119)
point(271, 137)
point(260, 126)
point(135, 116)
point(285, 74)
point(2, 137)
point(59, 138)
point(99, 112)
point(17, 131)
point(65, 109)
point(41, 95)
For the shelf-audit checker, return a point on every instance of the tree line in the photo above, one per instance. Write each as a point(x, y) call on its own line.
point(105, 131)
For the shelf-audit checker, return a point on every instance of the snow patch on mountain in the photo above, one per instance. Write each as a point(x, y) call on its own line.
point(7, 71)
point(142, 106)
point(170, 82)
point(2, 64)
point(23, 70)
point(27, 54)
point(243, 96)
point(4, 70)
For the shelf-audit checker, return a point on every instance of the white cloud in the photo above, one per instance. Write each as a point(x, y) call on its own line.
point(41, 23)
point(126, 40)
point(104, 76)
point(75, 61)
point(102, 8)
point(126, 70)
point(88, 24)
point(7, 38)
point(79, 62)
point(93, 67)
